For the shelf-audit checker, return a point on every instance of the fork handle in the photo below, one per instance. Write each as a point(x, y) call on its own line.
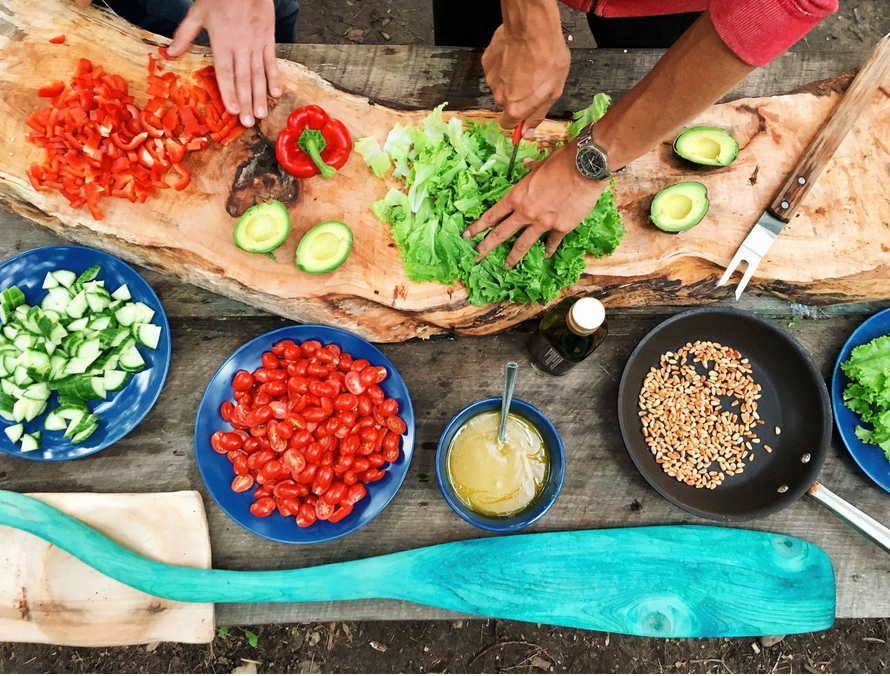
point(860, 93)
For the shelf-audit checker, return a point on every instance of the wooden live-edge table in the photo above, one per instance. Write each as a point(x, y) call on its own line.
point(602, 488)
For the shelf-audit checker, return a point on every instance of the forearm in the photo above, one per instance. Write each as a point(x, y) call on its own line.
point(528, 20)
point(695, 73)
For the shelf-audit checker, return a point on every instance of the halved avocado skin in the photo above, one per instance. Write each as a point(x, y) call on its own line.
point(274, 210)
point(723, 137)
point(304, 259)
point(696, 215)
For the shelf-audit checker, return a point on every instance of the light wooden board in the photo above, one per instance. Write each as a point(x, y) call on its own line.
point(189, 233)
point(48, 596)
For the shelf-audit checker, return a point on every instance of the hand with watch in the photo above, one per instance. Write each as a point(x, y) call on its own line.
point(555, 196)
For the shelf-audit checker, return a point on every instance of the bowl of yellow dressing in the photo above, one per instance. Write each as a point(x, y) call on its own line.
point(500, 487)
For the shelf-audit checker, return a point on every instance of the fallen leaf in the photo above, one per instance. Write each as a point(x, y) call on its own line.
point(770, 641)
point(314, 638)
point(384, 23)
point(540, 664)
point(308, 667)
point(151, 647)
point(356, 35)
point(347, 631)
point(378, 646)
point(385, 35)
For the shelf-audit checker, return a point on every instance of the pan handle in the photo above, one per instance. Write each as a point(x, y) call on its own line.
point(869, 527)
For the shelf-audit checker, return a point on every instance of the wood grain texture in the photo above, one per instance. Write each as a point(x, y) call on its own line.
point(48, 596)
point(189, 234)
point(734, 583)
point(801, 179)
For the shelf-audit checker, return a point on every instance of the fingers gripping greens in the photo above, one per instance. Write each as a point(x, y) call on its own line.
point(455, 172)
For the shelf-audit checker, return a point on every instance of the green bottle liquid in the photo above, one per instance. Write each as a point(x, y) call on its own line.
point(568, 334)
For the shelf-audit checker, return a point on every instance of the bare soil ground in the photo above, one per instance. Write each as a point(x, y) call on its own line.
point(485, 646)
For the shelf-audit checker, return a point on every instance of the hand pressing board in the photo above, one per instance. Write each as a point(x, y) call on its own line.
point(48, 596)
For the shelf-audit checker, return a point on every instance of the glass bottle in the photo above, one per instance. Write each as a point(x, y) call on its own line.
point(568, 334)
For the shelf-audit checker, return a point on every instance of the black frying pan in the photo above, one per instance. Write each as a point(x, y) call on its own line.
point(794, 398)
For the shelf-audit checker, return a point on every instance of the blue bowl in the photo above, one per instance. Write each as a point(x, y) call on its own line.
point(217, 472)
point(122, 410)
point(555, 477)
point(868, 456)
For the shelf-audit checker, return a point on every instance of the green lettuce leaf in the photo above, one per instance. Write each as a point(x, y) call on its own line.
point(868, 394)
point(373, 155)
point(589, 115)
point(454, 172)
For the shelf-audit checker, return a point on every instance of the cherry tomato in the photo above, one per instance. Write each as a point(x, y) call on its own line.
point(301, 439)
point(396, 424)
point(349, 445)
point(348, 418)
point(283, 508)
point(275, 388)
point(364, 405)
point(294, 461)
point(327, 406)
point(285, 429)
point(327, 460)
point(259, 432)
point(276, 442)
point(307, 476)
point(298, 384)
point(311, 499)
point(306, 516)
point(354, 383)
point(314, 452)
point(230, 441)
point(356, 493)
point(278, 348)
point(323, 479)
point(324, 355)
point(324, 388)
point(376, 459)
point(323, 510)
point(378, 442)
point(345, 402)
point(390, 454)
point(242, 381)
point(375, 394)
point(310, 347)
point(242, 482)
point(336, 492)
point(262, 399)
point(216, 443)
point(296, 421)
point(334, 348)
point(263, 441)
point(345, 364)
point(379, 420)
point(343, 463)
point(260, 415)
point(279, 409)
point(368, 435)
point(270, 361)
point(301, 368)
point(286, 489)
point(368, 376)
point(272, 469)
point(261, 376)
point(350, 477)
point(245, 399)
point(381, 373)
point(340, 513)
point(302, 490)
point(226, 410)
point(262, 492)
point(314, 414)
point(240, 465)
point(292, 353)
point(389, 407)
point(360, 365)
point(263, 507)
point(251, 445)
point(372, 475)
point(258, 460)
point(360, 464)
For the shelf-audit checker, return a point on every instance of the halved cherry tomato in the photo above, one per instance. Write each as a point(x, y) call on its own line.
point(368, 376)
point(396, 424)
point(276, 442)
point(216, 443)
point(323, 510)
point(263, 507)
point(242, 482)
point(350, 477)
point(226, 410)
point(340, 513)
point(360, 365)
point(240, 465)
point(294, 461)
point(306, 516)
point(356, 493)
point(354, 383)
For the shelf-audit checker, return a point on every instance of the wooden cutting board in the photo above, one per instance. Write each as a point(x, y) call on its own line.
point(836, 250)
point(48, 596)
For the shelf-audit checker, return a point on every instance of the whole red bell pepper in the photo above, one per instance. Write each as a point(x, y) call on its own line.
point(312, 143)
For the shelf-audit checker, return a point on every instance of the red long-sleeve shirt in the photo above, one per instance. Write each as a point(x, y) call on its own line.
point(757, 31)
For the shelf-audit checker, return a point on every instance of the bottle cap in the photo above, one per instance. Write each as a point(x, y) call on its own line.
point(586, 316)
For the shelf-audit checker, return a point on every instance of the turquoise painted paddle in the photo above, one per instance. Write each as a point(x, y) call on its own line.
point(677, 581)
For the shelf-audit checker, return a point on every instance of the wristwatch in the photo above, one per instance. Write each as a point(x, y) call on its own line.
point(591, 159)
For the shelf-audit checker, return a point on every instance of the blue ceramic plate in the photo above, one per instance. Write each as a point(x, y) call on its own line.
point(124, 409)
point(868, 456)
point(217, 471)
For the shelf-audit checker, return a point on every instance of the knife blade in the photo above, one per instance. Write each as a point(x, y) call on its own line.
point(808, 169)
point(127, 25)
point(517, 137)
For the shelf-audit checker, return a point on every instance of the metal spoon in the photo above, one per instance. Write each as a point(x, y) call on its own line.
point(510, 373)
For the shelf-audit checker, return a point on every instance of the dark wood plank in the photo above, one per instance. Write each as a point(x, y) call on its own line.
point(602, 489)
point(411, 76)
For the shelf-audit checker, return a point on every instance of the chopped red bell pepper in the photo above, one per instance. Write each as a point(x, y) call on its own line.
point(58, 40)
point(52, 90)
point(312, 143)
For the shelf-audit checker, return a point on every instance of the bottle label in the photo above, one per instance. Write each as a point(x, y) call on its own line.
point(552, 359)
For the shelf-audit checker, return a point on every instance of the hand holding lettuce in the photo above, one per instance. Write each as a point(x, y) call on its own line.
point(454, 175)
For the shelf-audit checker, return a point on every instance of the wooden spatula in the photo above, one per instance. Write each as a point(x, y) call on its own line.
point(677, 581)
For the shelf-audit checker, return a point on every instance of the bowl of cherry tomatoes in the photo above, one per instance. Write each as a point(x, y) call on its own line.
point(305, 434)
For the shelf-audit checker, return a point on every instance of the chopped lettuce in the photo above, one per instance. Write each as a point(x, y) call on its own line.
point(868, 394)
point(589, 115)
point(455, 171)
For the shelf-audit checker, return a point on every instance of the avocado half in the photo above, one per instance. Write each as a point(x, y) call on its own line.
point(710, 146)
point(680, 206)
point(262, 228)
point(324, 248)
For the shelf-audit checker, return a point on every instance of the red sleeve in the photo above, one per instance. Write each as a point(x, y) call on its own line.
point(760, 30)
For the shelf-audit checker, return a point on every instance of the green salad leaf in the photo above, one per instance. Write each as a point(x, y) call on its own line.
point(454, 172)
point(589, 115)
point(868, 394)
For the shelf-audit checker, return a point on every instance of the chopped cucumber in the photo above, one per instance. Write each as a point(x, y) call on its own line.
point(148, 335)
point(132, 361)
point(50, 281)
point(15, 432)
point(30, 442)
point(65, 277)
point(78, 306)
point(123, 293)
point(114, 380)
point(54, 422)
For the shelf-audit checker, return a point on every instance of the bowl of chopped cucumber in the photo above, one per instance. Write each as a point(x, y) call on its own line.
point(84, 352)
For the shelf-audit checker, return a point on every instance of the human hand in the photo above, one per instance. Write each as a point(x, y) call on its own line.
point(242, 36)
point(83, 4)
point(526, 65)
point(554, 197)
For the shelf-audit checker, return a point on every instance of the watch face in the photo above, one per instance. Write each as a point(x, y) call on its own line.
point(592, 162)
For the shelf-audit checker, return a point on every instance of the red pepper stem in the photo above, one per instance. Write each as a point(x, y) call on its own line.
point(312, 143)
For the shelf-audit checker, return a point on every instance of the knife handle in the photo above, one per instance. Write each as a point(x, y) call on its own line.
point(858, 96)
